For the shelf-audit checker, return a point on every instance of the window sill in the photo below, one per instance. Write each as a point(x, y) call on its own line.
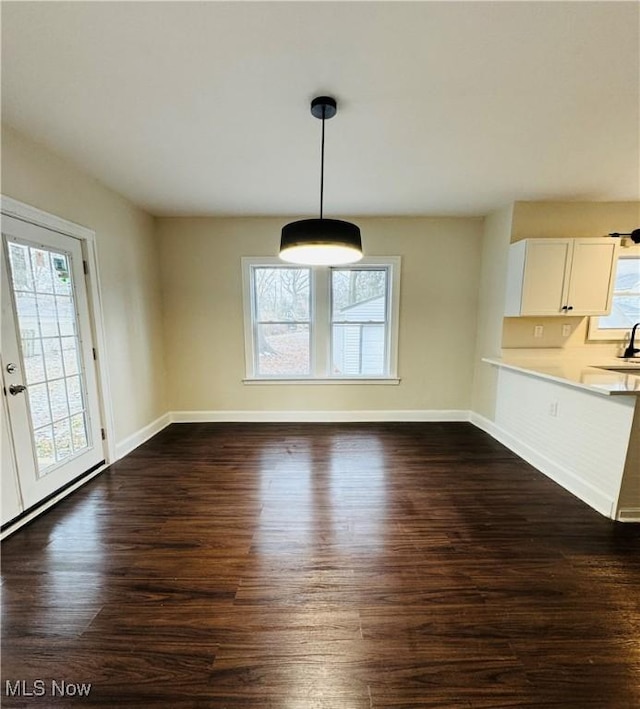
point(389, 381)
point(596, 334)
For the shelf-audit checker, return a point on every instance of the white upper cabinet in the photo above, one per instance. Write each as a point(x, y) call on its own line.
point(561, 276)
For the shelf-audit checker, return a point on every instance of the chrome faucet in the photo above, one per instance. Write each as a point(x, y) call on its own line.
point(631, 349)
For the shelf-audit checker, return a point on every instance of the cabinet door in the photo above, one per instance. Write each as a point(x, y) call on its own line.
point(591, 282)
point(546, 274)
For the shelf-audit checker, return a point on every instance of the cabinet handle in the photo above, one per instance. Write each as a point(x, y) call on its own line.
point(570, 307)
point(564, 307)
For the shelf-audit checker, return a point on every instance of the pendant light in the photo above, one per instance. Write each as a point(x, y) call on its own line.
point(321, 242)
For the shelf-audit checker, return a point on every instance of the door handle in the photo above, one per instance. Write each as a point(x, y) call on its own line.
point(17, 389)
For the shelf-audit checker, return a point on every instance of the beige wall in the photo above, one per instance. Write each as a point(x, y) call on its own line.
point(202, 291)
point(453, 274)
point(561, 220)
point(495, 246)
point(129, 271)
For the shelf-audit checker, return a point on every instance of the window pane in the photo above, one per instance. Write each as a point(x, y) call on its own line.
point(52, 357)
point(625, 311)
point(33, 361)
point(58, 399)
point(628, 275)
point(41, 265)
point(66, 315)
point(39, 405)
point(70, 356)
point(27, 317)
point(75, 394)
point(283, 350)
point(79, 432)
point(281, 294)
point(47, 315)
point(359, 295)
point(62, 277)
point(45, 451)
point(358, 350)
point(20, 267)
point(62, 438)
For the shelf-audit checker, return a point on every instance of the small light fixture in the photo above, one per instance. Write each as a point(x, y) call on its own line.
point(624, 241)
point(321, 242)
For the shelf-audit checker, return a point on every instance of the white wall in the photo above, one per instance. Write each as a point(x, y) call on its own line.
point(202, 291)
point(495, 246)
point(129, 271)
point(578, 438)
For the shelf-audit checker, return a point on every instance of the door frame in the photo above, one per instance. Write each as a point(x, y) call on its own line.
point(87, 237)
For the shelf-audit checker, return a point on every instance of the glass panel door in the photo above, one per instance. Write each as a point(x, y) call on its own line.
point(49, 340)
point(48, 364)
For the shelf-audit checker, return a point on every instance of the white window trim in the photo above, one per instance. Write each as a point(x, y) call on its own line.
point(594, 333)
point(320, 325)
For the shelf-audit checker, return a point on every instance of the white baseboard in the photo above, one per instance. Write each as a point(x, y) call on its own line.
point(12, 527)
point(136, 439)
point(595, 498)
point(629, 514)
point(564, 477)
point(483, 424)
point(317, 416)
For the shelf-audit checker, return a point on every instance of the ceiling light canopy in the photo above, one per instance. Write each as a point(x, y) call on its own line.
point(321, 242)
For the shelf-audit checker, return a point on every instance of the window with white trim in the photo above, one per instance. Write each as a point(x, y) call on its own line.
point(625, 307)
point(318, 323)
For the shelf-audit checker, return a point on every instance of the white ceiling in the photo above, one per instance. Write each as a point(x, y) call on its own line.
point(443, 107)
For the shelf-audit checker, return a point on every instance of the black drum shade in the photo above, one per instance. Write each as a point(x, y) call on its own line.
point(321, 242)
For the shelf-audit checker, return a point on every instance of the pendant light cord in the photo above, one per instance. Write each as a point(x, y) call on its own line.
point(322, 165)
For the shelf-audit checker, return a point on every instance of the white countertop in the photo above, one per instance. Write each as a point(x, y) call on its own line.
point(580, 373)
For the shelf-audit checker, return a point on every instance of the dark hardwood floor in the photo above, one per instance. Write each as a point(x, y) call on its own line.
point(322, 566)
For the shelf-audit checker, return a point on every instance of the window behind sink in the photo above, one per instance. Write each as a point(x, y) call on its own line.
point(625, 308)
